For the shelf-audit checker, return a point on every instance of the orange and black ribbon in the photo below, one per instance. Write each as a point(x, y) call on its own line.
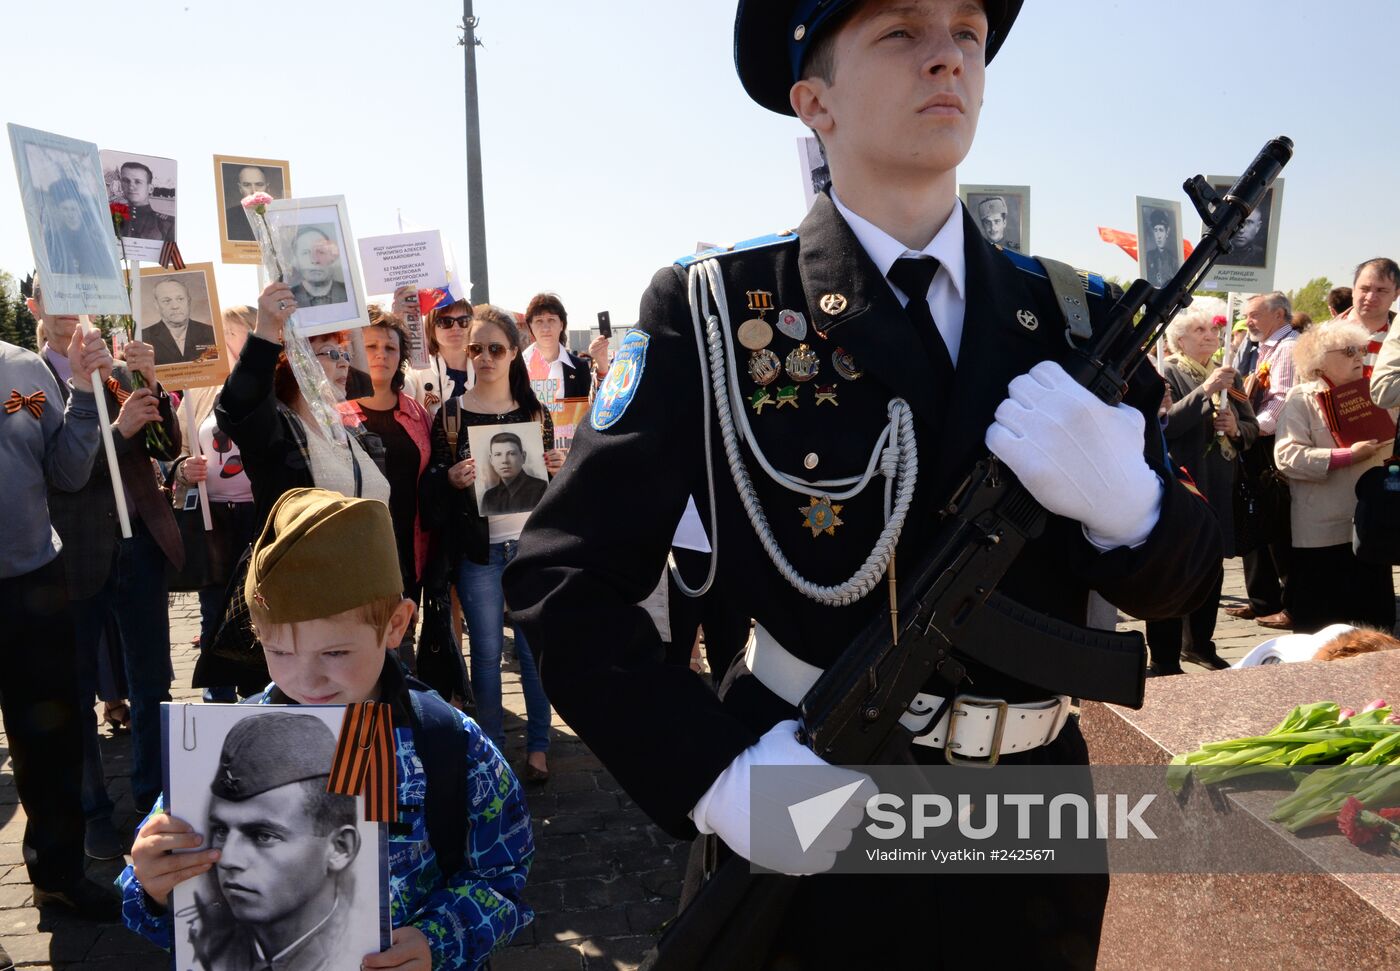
point(33, 403)
point(170, 256)
point(120, 393)
point(365, 761)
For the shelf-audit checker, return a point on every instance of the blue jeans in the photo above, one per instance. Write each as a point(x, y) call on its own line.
point(484, 606)
point(135, 595)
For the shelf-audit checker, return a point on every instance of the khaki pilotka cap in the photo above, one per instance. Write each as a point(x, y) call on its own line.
point(271, 750)
point(322, 554)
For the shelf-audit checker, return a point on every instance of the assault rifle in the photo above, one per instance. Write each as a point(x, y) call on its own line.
point(953, 612)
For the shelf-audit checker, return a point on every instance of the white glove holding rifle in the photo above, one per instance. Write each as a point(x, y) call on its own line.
point(728, 807)
point(1079, 457)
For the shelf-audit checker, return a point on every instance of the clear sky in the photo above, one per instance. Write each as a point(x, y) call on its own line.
point(616, 135)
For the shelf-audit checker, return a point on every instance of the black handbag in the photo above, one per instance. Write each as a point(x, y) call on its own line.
point(210, 555)
point(1375, 526)
point(235, 639)
point(1260, 507)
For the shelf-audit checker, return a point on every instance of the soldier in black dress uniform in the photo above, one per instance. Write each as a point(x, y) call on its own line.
point(884, 321)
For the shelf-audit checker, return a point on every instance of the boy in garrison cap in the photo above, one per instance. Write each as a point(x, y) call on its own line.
point(270, 816)
point(325, 595)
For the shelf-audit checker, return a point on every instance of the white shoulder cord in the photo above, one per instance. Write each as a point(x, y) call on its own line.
point(898, 462)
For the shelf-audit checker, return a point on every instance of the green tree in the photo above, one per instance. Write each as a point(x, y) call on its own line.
point(1311, 298)
point(16, 322)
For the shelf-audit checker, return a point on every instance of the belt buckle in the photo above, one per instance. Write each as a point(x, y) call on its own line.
point(975, 761)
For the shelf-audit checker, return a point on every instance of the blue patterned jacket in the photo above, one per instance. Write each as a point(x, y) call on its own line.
point(464, 917)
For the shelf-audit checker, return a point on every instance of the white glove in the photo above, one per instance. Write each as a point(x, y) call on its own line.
point(1080, 458)
point(728, 806)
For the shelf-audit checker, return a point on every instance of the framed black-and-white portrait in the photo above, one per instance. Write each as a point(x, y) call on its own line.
point(302, 879)
point(235, 177)
point(816, 173)
point(146, 184)
point(1002, 212)
point(510, 471)
point(1159, 239)
point(69, 221)
point(1249, 266)
point(179, 317)
point(313, 251)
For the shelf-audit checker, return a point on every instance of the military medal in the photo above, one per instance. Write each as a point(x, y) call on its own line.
point(822, 516)
point(845, 364)
point(764, 367)
point(792, 324)
point(787, 396)
point(825, 393)
point(755, 334)
point(802, 363)
point(760, 301)
point(760, 398)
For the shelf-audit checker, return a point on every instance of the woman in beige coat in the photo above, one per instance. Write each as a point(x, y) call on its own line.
point(1330, 585)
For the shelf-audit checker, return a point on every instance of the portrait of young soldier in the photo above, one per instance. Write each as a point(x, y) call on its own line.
point(285, 845)
point(885, 317)
point(1160, 245)
point(516, 489)
point(145, 222)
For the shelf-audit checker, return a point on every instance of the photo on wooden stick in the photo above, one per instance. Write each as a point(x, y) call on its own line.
point(179, 317)
point(146, 184)
point(69, 221)
point(237, 176)
point(1002, 212)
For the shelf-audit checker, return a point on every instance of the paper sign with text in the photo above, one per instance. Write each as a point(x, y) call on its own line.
point(391, 262)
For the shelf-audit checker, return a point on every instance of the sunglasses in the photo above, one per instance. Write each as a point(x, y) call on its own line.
point(494, 350)
point(335, 354)
point(1352, 351)
point(449, 322)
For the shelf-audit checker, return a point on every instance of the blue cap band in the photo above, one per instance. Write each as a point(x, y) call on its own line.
point(811, 16)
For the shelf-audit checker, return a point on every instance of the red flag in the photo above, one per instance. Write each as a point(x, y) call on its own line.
point(1127, 242)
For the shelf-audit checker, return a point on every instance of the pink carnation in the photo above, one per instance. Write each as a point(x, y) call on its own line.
point(257, 201)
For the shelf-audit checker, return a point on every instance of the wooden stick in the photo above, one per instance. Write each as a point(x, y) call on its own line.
point(99, 394)
point(197, 450)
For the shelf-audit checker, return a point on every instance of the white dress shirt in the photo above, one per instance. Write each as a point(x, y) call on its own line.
point(947, 294)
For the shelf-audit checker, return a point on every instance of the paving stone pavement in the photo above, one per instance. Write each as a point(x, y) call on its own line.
point(603, 882)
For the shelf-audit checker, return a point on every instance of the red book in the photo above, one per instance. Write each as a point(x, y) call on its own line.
point(1352, 417)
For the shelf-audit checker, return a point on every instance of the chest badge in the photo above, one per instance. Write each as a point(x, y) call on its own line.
point(787, 396)
point(802, 363)
point(826, 394)
point(822, 516)
point(845, 364)
point(764, 367)
point(1027, 319)
point(760, 399)
point(833, 304)
point(792, 324)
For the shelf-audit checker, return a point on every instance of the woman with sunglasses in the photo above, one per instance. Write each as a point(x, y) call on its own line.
point(404, 428)
point(481, 547)
point(1327, 583)
point(449, 370)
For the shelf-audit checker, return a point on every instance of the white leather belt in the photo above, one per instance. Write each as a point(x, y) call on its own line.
point(973, 727)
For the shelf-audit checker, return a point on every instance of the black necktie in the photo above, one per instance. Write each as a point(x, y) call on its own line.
point(914, 275)
point(1250, 357)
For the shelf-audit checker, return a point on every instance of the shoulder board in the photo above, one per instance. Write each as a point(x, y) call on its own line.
point(772, 239)
point(1093, 283)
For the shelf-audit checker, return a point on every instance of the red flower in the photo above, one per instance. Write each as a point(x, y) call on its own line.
point(121, 212)
point(1362, 827)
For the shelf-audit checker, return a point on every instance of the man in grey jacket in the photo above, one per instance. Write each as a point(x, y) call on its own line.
point(44, 443)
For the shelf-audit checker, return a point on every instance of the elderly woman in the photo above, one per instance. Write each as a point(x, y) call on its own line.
point(1206, 427)
point(1330, 584)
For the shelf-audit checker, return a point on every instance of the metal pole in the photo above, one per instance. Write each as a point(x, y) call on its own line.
point(476, 215)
